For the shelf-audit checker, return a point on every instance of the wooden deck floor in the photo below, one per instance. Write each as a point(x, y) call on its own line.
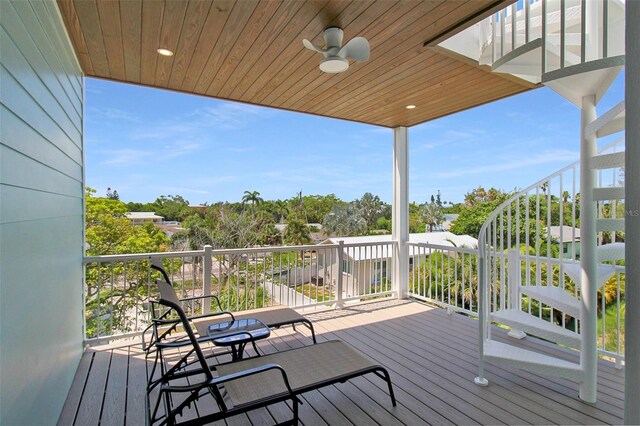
point(432, 359)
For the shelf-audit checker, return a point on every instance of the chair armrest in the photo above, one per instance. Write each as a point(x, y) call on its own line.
point(233, 376)
point(251, 372)
point(209, 296)
point(212, 314)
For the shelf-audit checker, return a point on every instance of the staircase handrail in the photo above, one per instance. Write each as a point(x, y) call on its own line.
point(483, 288)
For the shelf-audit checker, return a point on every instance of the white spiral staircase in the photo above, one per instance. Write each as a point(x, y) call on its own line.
point(576, 48)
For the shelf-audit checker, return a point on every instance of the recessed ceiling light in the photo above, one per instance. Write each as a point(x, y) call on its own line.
point(410, 106)
point(164, 52)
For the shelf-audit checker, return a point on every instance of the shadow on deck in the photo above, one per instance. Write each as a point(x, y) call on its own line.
point(432, 359)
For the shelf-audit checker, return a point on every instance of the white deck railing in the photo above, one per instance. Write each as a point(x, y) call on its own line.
point(445, 276)
point(118, 288)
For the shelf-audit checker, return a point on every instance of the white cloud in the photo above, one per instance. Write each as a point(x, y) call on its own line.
point(178, 190)
point(200, 122)
point(133, 156)
point(504, 163)
point(111, 114)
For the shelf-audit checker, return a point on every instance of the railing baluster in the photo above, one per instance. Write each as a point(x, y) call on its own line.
point(527, 21)
point(583, 31)
point(503, 18)
point(605, 28)
point(562, 32)
point(544, 38)
point(513, 26)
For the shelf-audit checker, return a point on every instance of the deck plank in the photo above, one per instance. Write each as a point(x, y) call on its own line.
point(68, 414)
point(432, 358)
point(93, 395)
point(113, 409)
point(136, 386)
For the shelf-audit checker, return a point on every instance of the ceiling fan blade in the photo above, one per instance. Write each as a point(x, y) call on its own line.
point(311, 46)
point(357, 49)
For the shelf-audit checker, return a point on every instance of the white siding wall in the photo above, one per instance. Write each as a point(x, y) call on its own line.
point(41, 187)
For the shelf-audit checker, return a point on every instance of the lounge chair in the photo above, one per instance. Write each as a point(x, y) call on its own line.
point(241, 386)
point(272, 317)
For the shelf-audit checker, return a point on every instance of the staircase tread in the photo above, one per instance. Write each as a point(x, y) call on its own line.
point(517, 316)
point(603, 272)
point(554, 296)
point(610, 225)
point(494, 349)
point(608, 193)
point(605, 118)
point(607, 161)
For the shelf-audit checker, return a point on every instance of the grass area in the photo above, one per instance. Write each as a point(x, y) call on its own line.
point(318, 293)
point(611, 326)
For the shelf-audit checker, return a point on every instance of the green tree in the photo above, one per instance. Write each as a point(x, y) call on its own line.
point(344, 220)
point(316, 207)
point(252, 197)
point(415, 218)
point(478, 206)
point(171, 207)
point(432, 215)
point(114, 289)
point(112, 195)
point(297, 232)
point(383, 223)
point(371, 207)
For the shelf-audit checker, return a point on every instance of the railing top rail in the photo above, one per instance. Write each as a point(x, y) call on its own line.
point(220, 252)
point(265, 249)
point(445, 248)
point(551, 260)
point(141, 256)
point(369, 244)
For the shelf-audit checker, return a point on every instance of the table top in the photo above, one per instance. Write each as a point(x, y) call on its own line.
point(237, 331)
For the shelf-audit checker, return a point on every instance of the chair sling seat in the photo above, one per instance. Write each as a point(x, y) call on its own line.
point(308, 368)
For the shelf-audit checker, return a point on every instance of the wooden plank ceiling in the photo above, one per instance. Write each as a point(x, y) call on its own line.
point(251, 51)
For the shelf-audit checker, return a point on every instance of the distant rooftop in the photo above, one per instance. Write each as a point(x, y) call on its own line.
point(567, 233)
point(143, 216)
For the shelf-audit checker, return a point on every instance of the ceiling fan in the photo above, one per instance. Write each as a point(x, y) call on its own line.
point(336, 56)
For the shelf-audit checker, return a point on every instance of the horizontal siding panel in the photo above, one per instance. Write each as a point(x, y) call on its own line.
point(16, 64)
point(20, 170)
point(33, 44)
point(15, 98)
point(15, 132)
point(48, 13)
point(30, 205)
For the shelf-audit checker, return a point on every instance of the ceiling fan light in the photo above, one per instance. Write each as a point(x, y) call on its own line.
point(334, 65)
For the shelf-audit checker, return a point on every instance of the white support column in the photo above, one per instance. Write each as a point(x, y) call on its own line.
point(632, 216)
point(400, 211)
point(588, 258)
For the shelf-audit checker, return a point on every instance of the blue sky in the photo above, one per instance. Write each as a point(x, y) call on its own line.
point(147, 142)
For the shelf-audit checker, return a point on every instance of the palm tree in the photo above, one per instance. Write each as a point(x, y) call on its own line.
point(296, 233)
point(431, 215)
point(344, 220)
point(252, 197)
point(370, 206)
point(282, 209)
